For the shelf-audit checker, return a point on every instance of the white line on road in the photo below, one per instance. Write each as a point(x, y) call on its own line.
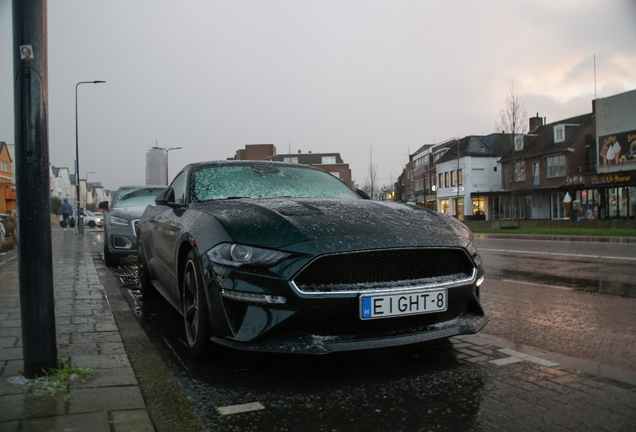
point(560, 254)
point(236, 409)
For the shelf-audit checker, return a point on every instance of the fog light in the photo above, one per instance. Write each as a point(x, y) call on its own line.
point(254, 298)
point(480, 281)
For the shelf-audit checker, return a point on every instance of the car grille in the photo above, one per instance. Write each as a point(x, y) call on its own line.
point(383, 269)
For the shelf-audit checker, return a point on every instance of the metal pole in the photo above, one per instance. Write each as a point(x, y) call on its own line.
point(80, 220)
point(35, 256)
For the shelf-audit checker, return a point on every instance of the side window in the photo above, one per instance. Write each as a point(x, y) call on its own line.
point(179, 186)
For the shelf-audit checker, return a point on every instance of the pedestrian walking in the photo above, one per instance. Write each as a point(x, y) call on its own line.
point(66, 209)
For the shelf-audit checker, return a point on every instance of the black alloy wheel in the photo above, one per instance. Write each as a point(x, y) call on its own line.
point(195, 309)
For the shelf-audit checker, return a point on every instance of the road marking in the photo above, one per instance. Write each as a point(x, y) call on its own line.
point(532, 283)
point(237, 409)
point(559, 254)
point(516, 356)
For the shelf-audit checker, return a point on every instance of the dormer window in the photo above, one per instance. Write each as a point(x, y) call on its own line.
point(559, 133)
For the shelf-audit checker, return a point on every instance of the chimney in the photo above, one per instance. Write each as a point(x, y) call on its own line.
point(535, 122)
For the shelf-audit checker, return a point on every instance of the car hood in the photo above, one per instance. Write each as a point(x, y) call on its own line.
point(332, 225)
point(131, 213)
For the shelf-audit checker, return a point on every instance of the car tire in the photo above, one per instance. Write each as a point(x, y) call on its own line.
point(109, 259)
point(144, 285)
point(194, 304)
point(91, 224)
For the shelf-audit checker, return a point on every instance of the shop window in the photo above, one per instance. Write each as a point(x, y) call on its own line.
point(444, 206)
point(479, 206)
point(558, 210)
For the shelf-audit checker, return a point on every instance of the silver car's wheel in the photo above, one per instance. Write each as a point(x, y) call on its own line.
point(195, 310)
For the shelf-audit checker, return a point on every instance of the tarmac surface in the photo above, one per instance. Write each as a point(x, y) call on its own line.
point(520, 388)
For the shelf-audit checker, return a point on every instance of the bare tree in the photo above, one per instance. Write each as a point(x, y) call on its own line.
point(370, 184)
point(513, 121)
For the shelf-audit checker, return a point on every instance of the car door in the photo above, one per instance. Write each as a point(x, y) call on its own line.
point(165, 225)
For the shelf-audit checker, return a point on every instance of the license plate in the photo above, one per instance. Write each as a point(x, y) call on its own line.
point(411, 303)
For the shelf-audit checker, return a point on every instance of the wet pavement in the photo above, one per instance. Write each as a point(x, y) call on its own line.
point(92, 333)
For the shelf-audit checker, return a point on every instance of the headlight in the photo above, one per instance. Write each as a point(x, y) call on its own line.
point(118, 221)
point(237, 255)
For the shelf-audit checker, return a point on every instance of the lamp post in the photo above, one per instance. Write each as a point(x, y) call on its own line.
point(86, 199)
point(167, 150)
point(80, 219)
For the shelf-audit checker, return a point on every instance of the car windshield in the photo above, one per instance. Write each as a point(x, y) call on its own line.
point(262, 181)
point(136, 197)
point(89, 213)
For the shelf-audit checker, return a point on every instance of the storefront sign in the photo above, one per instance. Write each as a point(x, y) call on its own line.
point(610, 179)
point(461, 189)
point(617, 148)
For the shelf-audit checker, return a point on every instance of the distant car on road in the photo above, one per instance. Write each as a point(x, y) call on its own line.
point(272, 256)
point(120, 235)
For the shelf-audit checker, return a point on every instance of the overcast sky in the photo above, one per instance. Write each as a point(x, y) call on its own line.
point(341, 76)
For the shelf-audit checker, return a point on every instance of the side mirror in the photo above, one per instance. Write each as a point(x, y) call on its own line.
point(363, 194)
point(103, 205)
point(165, 197)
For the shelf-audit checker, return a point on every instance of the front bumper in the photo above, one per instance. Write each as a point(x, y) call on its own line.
point(320, 324)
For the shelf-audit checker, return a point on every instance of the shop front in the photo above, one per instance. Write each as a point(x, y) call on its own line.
point(603, 196)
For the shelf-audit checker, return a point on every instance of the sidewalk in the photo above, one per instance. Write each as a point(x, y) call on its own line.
point(131, 388)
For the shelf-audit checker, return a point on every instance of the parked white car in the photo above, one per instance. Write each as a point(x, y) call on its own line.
point(91, 219)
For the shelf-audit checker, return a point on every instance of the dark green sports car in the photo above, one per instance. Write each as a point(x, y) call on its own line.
point(274, 256)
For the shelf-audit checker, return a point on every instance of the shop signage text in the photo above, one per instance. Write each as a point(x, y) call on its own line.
point(611, 179)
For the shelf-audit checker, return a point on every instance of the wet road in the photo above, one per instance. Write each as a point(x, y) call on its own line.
point(450, 385)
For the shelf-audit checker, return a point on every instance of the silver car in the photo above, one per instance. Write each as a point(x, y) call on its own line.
point(120, 236)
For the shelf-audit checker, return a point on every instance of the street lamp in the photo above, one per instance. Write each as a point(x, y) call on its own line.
point(86, 199)
point(167, 150)
point(80, 219)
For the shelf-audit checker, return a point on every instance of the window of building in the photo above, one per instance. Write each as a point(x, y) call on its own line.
point(479, 206)
point(520, 171)
point(459, 177)
point(452, 178)
point(559, 133)
point(556, 166)
point(290, 159)
point(479, 177)
point(335, 174)
point(518, 142)
point(446, 182)
point(441, 180)
point(558, 210)
point(535, 173)
point(444, 206)
point(328, 160)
